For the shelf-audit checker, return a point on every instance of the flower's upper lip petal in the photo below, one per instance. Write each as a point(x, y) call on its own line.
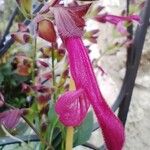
point(69, 20)
point(80, 10)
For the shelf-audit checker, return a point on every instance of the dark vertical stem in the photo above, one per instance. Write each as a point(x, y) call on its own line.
point(132, 69)
point(129, 37)
point(8, 27)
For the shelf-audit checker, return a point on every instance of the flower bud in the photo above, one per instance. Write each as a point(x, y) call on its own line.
point(46, 31)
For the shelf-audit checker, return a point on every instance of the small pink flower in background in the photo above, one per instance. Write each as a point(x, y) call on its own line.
point(41, 88)
point(118, 21)
point(10, 118)
point(42, 63)
point(26, 88)
point(22, 64)
point(22, 36)
point(72, 107)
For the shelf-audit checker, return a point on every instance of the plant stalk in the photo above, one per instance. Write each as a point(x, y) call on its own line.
point(70, 129)
point(69, 138)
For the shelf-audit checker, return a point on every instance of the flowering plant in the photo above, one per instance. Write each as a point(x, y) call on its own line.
point(58, 84)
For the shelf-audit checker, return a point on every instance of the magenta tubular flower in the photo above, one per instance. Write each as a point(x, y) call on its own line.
point(84, 77)
point(118, 21)
point(22, 36)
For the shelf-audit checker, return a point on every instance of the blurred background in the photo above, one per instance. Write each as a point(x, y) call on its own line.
point(113, 63)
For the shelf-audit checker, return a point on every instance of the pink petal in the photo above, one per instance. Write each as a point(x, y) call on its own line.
point(116, 19)
point(46, 75)
point(10, 118)
point(122, 29)
point(42, 63)
point(40, 88)
point(80, 10)
point(72, 107)
point(25, 88)
point(135, 18)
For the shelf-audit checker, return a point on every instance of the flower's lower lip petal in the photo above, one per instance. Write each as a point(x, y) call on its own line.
point(83, 75)
point(72, 108)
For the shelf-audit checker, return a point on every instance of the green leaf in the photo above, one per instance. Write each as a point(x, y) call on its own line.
point(6, 69)
point(25, 7)
point(52, 114)
point(19, 79)
point(32, 112)
point(84, 132)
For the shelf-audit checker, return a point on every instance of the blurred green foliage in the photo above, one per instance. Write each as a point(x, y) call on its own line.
point(10, 85)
